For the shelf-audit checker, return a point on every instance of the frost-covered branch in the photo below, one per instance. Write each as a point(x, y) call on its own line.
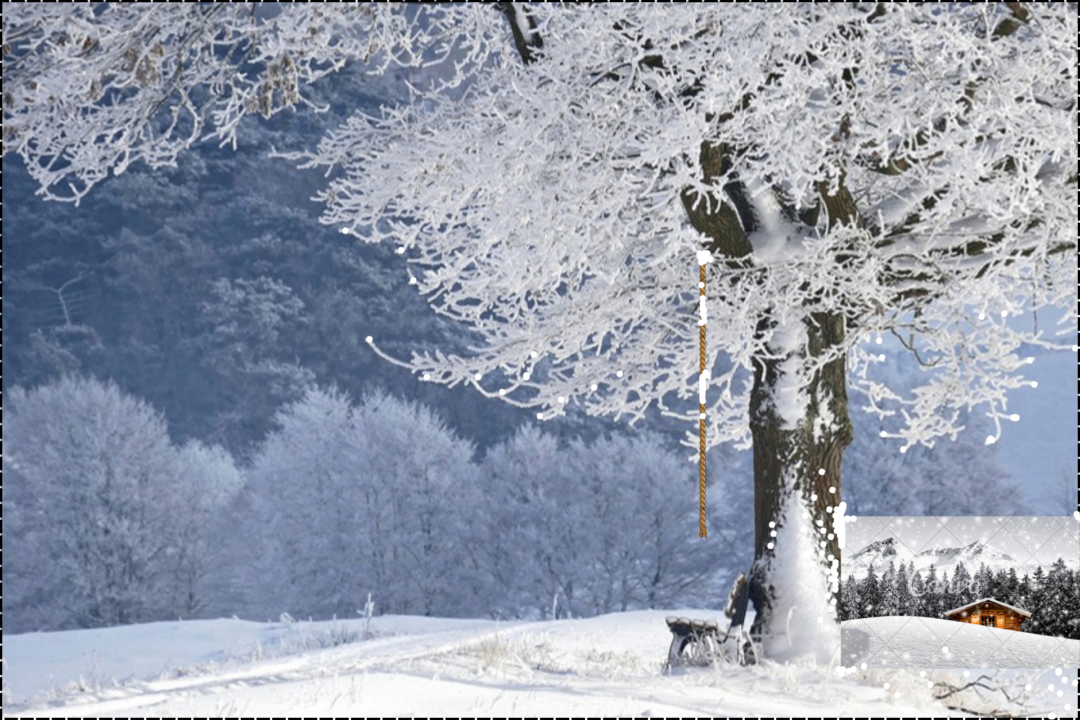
point(988, 695)
point(89, 89)
point(527, 37)
point(581, 203)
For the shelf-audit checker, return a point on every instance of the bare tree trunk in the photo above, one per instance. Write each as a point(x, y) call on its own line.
point(789, 461)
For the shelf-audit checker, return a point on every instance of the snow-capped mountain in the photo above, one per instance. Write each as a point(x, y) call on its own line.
point(880, 553)
point(972, 556)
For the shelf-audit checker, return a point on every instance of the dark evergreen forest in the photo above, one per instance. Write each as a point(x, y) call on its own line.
point(1050, 596)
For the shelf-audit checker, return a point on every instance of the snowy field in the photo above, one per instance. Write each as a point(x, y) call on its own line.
point(609, 665)
point(921, 642)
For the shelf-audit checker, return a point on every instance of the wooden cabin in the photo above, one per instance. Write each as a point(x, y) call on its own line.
point(991, 613)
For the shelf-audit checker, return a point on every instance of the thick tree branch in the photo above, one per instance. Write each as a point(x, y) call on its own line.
point(527, 38)
point(723, 223)
point(839, 204)
point(1019, 15)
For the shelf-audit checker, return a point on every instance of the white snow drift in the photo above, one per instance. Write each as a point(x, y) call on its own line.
point(608, 665)
point(921, 642)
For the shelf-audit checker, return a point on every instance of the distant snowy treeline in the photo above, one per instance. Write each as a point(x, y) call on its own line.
point(1051, 597)
point(110, 523)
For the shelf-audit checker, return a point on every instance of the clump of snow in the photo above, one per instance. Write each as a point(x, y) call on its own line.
point(826, 421)
point(704, 257)
point(788, 337)
point(838, 525)
point(775, 239)
point(801, 604)
point(789, 394)
point(703, 385)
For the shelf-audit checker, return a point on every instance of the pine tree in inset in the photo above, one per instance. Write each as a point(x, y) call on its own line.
point(1056, 613)
point(1036, 599)
point(963, 586)
point(889, 599)
point(930, 601)
point(1011, 588)
point(870, 595)
point(918, 592)
point(984, 582)
point(948, 598)
point(849, 600)
point(903, 592)
point(1072, 600)
point(1023, 592)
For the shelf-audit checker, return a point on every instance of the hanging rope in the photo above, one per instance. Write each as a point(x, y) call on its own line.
point(702, 532)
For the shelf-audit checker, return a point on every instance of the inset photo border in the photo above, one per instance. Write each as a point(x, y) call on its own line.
point(960, 592)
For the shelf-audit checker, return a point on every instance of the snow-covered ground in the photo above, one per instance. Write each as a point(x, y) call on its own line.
point(920, 642)
point(609, 665)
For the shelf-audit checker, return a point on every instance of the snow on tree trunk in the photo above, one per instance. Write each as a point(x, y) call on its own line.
point(800, 428)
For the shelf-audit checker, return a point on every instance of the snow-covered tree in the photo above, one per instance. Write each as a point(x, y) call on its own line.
point(109, 520)
point(853, 169)
point(999, 585)
point(356, 498)
point(962, 587)
point(959, 476)
point(646, 555)
point(1024, 590)
point(948, 598)
point(849, 599)
point(890, 599)
point(1010, 586)
point(589, 527)
point(109, 86)
point(930, 602)
point(916, 590)
point(870, 595)
point(841, 196)
point(1070, 627)
point(245, 320)
point(207, 480)
point(983, 581)
point(1054, 606)
point(903, 589)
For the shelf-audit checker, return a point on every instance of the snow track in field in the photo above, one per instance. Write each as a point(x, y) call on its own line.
point(608, 665)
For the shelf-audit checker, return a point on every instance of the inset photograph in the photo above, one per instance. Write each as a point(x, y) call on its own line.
point(960, 592)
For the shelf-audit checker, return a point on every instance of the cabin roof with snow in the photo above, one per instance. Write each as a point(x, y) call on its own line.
point(983, 600)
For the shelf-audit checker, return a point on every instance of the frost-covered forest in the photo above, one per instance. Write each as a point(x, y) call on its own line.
point(343, 319)
point(206, 307)
point(113, 521)
point(203, 420)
